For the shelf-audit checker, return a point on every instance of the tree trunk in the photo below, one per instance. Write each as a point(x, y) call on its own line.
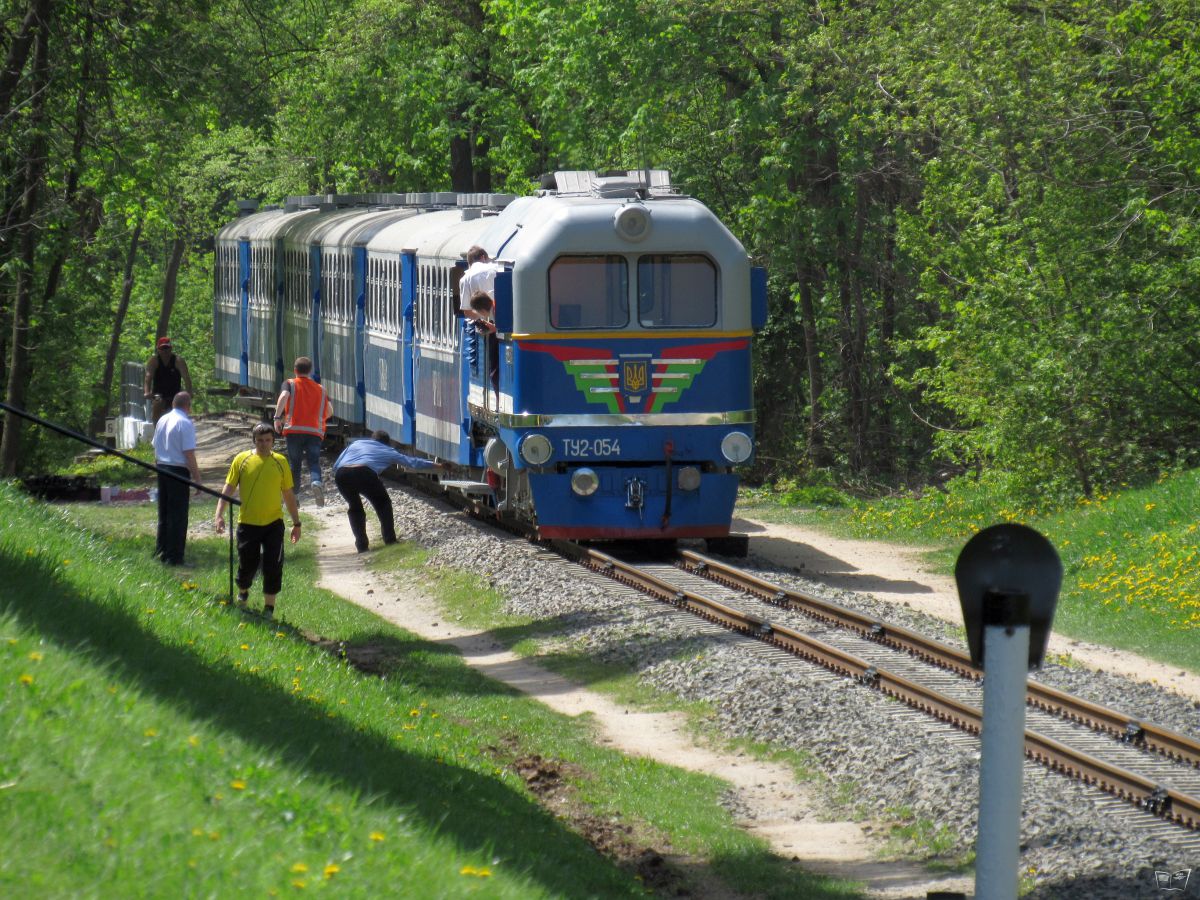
point(818, 451)
point(462, 173)
point(170, 285)
point(104, 391)
point(87, 220)
point(18, 53)
point(27, 239)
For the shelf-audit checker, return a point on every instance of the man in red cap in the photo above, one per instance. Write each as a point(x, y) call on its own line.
point(166, 375)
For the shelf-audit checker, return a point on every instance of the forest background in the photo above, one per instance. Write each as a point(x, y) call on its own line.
point(978, 217)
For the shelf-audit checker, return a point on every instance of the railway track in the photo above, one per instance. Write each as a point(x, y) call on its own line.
point(1151, 768)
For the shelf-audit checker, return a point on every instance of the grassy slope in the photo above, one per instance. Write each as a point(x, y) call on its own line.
point(159, 742)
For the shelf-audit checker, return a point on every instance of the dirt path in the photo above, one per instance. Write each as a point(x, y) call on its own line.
point(897, 574)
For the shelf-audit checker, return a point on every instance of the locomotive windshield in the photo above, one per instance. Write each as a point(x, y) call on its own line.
point(589, 292)
point(677, 291)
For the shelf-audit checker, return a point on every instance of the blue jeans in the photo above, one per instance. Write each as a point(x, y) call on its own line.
point(301, 447)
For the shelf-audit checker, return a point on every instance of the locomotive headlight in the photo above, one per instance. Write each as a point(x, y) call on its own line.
point(535, 449)
point(584, 482)
point(689, 478)
point(736, 447)
point(632, 222)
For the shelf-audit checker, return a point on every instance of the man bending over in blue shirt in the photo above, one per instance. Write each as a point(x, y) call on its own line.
point(356, 474)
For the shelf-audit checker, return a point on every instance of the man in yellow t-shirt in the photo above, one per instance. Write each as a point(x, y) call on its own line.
point(263, 480)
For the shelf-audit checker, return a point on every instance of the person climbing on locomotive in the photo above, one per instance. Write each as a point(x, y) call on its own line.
point(480, 278)
point(485, 311)
point(301, 412)
point(166, 375)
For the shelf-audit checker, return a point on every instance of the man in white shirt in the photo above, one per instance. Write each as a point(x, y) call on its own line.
point(175, 452)
point(480, 278)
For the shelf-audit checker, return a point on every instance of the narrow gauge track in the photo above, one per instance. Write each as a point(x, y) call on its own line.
point(1154, 769)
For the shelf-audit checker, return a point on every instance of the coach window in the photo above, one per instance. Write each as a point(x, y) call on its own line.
point(589, 292)
point(677, 291)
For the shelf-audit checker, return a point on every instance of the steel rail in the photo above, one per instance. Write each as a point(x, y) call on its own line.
point(1099, 718)
point(1167, 803)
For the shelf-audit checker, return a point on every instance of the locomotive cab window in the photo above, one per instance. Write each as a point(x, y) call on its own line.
point(589, 292)
point(677, 291)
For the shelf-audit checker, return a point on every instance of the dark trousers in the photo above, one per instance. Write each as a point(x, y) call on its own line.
point(260, 543)
point(172, 516)
point(354, 483)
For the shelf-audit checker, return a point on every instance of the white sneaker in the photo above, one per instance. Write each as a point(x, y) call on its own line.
point(319, 494)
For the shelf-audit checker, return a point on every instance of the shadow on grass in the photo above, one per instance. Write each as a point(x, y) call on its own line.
point(478, 813)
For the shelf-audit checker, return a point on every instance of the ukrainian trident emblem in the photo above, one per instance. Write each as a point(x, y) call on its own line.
point(635, 376)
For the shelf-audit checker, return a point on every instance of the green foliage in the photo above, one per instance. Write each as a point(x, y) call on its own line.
point(979, 219)
point(787, 492)
point(109, 469)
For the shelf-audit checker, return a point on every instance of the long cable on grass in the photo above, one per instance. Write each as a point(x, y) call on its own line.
point(84, 439)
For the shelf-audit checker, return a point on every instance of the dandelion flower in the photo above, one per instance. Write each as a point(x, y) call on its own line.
point(150, 732)
point(377, 836)
point(299, 868)
point(332, 869)
point(237, 784)
point(35, 656)
point(26, 679)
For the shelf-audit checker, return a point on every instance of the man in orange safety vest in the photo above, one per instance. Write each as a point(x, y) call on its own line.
point(301, 412)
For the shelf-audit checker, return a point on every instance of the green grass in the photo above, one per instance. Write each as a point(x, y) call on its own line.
point(1130, 558)
point(109, 469)
point(160, 742)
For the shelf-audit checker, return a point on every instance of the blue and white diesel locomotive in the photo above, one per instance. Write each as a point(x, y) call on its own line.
point(617, 398)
